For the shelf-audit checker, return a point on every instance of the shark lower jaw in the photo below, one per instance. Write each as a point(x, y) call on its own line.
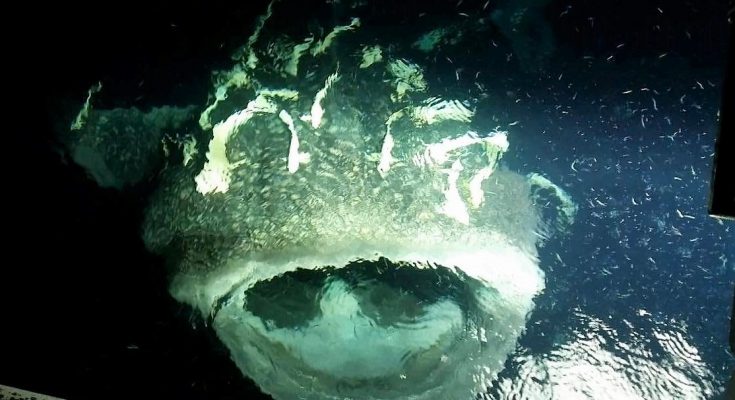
point(420, 322)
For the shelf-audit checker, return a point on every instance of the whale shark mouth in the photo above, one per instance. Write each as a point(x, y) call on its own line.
point(403, 323)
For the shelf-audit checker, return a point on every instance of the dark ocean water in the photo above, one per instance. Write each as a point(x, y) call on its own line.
point(623, 117)
point(636, 150)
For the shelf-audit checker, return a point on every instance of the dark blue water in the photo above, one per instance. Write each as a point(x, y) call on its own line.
point(633, 144)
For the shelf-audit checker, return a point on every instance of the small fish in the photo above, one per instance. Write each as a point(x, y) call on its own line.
point(682, 215)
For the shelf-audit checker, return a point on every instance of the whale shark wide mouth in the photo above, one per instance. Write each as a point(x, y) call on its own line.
point(398, 327)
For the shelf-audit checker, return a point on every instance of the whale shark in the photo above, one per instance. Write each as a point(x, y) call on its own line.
point(344, 226)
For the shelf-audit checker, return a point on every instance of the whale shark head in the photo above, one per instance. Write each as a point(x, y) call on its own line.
point(338, 280)
point(345, 234)
point(363, 297)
